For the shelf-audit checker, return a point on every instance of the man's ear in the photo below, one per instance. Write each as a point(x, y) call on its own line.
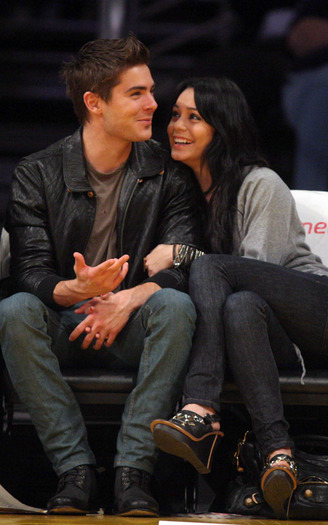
point(91, 100)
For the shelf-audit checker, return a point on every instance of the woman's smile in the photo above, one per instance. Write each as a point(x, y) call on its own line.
point(188, 132)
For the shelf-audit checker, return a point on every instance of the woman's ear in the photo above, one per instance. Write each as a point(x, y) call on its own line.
point(91, 100)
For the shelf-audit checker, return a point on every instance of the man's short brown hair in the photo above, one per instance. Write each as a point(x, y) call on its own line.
point(97, 68)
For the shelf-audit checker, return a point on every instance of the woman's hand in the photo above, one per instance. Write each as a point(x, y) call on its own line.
point(160, 258)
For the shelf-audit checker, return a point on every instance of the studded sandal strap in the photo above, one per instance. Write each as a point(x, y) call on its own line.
point(187, 417)
point(282, 457)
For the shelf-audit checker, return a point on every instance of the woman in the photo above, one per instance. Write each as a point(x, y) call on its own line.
point(255, 293)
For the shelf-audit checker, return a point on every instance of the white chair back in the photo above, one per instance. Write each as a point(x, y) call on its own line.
point(312, 208)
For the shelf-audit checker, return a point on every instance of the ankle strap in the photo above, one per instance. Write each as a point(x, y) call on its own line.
point(187, 416)
point(212, 418)
point(282, 457)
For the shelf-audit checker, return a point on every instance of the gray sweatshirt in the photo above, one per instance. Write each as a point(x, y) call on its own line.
point(268, 227)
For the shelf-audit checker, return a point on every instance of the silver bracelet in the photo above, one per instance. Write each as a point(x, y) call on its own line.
point(186, 254)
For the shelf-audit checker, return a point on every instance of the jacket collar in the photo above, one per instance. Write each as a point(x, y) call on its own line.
point(146, 160)
point(73, 163)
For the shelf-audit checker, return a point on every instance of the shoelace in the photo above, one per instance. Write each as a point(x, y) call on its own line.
point(75, 476)
point(135, 477)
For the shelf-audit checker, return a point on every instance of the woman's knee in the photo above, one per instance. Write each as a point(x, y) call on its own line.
point(210, 269)
point(202, 265)
point(242, 305)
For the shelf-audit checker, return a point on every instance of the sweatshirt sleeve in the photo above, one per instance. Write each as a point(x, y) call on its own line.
point(267, 220)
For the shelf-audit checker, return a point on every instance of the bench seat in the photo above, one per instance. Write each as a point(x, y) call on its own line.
point(99, 387)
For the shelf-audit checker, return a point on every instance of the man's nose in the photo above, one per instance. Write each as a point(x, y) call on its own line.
point(150, 102)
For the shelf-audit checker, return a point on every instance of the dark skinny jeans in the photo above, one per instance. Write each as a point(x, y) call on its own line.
point(248, 314)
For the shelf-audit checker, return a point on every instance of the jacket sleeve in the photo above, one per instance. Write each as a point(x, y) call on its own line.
point(33, 264)
point(180, 222)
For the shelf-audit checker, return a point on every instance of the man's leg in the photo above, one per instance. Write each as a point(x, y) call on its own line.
point(159, 338)
point(25, 327)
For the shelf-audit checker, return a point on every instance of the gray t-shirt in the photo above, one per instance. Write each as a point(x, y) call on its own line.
point(268, 227)
point(107, 187)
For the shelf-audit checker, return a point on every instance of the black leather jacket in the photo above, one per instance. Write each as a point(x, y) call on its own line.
point(52, 209)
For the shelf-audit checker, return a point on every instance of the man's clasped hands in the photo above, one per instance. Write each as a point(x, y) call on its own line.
point(107, 312)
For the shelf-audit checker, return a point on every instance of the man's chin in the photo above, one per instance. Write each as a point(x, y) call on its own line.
point(146, 135)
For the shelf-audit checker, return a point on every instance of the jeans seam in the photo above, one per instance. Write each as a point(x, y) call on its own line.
point(132, 395)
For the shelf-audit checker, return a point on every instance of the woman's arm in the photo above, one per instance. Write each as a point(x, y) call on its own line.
point(170, 255)
point(268, 223)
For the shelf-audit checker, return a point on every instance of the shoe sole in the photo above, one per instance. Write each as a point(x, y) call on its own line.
point(277, 488)
point(68, 510)
point(175, 441)
point(138, 513)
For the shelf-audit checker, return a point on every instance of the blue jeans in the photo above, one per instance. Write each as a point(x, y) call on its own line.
point(156, 341)
point(248, 314)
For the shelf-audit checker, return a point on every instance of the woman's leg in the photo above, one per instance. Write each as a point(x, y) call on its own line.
point(255, 344)
point(299, 301)
point(205, 377)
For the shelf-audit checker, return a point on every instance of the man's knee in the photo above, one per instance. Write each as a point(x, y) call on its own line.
point(173, 304)
point(20, 305)
point(24, 336)
point(20, 315)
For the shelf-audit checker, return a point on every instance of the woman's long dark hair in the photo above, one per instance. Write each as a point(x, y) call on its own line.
point(230, 155)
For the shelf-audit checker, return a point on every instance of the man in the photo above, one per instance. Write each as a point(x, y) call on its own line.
point(103, 192)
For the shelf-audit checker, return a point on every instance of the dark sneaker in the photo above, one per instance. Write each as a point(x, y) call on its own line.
point(76, 491)
point(132, 493)
point(188, 436)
